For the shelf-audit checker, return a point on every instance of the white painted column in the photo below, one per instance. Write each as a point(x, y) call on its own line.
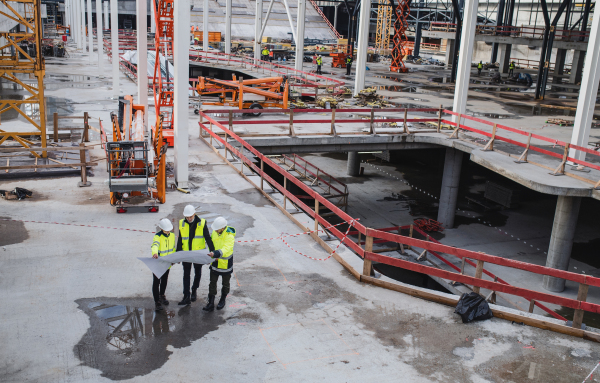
point(228, 26)
point(300, 34)
point(463, 72)
point(152, 16)
point(79, 30)
point(106, 24)
point(257, 27)
point(142, 50)
point(100, 38)
point(289, 15)
point(363, 44)
point(181, 38)
point(90, 34)
point(205, 12)
point(589, 90)
point(114, 37)
point(82, 25)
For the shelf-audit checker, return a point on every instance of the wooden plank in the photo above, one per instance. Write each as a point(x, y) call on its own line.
point(46, 166)
point(30, 149)
point(478, 275)
point(581, 296)
point(367, 263)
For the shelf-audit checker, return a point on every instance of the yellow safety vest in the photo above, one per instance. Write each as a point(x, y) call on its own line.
point(224, 242)
point(163, 244)
point(265, 52)
point(319, 61)
point(348, 60)
point(511, 66)
point(479, 66)
point(198, 242)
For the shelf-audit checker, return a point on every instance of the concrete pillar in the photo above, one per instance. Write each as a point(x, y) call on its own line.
point(559, 66)
point(205, 12)
point(89, 30)
point(77, 21)
point(82, 24)
point(100, 38)
point(504, 61)
point(463, 73)
point(450, 183)
point(363, 44)
point(106, 23)
point(561, 241)
point(114, 37)
point(588, 91)
point(181, 38)
point(228, 26)
point(142, 45)
point(335, 13)
point(353, 166)
point(449, 52)
point(152, 17)
point(300, 34)
point(257, 28)
point(577, 67)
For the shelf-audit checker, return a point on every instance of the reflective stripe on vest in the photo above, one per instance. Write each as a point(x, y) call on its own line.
point(198, 242)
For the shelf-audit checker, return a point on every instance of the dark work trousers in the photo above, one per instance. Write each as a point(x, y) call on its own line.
point(319, 69)
point(510, 72)
point(214, 277)
point(159, 286)
point(348, 69)
point(187, 269)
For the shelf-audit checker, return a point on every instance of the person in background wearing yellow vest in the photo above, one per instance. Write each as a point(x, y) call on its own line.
point(265, 54)
point(319, 63)
point(223, 238)
point(511, 69)
point(193, 235)
point(479, 68)
point(163, 244)
point(348, 65)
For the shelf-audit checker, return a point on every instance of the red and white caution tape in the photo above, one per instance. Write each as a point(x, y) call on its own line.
point(591, 373)
point(330, 255)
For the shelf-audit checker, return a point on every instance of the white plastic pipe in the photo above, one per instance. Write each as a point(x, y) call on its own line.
point(89, 29)
point(100, 38)
point(114, 37)
point(142, 50)
point(300, 34)
point(181, 63)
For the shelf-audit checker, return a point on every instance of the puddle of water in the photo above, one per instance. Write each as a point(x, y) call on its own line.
point(589, 319)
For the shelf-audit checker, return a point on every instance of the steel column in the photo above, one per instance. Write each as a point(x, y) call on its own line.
point(181, 38)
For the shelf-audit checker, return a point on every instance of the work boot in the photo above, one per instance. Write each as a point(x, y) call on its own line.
point(185, 301)
point(210, 306)
point(158, 306)
point(164, 300)
point(193, 297)
point(221, 302)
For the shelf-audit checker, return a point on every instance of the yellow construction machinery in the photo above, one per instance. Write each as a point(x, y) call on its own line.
point(137, 179)
point(272, 92)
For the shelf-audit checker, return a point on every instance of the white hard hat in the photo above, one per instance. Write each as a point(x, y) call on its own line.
point(189, 211)
point(219, 223)
point(165, 224)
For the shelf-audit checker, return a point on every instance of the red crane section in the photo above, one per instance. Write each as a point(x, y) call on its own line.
point(163, 85)
point(400, 40)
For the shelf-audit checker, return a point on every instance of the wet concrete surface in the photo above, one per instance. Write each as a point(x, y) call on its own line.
point(11, 232)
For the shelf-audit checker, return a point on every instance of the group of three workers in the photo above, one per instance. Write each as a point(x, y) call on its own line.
point(194, 235)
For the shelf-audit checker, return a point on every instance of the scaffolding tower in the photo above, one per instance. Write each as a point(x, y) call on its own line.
point(20, 59)
point(400, 41)
point(384, 21)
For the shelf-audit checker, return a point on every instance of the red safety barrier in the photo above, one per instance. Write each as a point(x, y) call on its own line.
point(368, 255)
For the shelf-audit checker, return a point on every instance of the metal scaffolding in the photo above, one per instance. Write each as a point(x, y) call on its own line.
point(20, 58)
point(384, 21)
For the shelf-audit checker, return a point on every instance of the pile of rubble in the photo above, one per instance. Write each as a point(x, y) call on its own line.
point(369, 97)
point(423, 61)
point(333, 101)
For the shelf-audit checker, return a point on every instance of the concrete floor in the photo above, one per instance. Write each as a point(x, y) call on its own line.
point(288, 318)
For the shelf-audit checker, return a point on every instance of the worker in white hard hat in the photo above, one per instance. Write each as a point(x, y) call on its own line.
point(223, 238)
point(163, 244)
point(193, 235)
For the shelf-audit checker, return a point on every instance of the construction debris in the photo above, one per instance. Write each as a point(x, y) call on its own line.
point(298, 104)
point(560, 122)
point(368, 97)
point(333, 101)
point(423, 61)
point(428, 225)
point(18, 194)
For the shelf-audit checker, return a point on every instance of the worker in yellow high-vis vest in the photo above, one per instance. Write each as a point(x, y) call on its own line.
point(223, 238)
point(163, 244)
point(193, 235)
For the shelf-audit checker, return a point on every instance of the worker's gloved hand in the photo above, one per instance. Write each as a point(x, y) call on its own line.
point(155, 256)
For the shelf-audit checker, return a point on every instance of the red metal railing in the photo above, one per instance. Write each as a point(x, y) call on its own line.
point(367, 254)
point(329, 180)
point(316, 7)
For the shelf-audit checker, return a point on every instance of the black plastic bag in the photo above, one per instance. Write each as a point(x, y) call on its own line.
point(472, 307)
point(22, 193)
